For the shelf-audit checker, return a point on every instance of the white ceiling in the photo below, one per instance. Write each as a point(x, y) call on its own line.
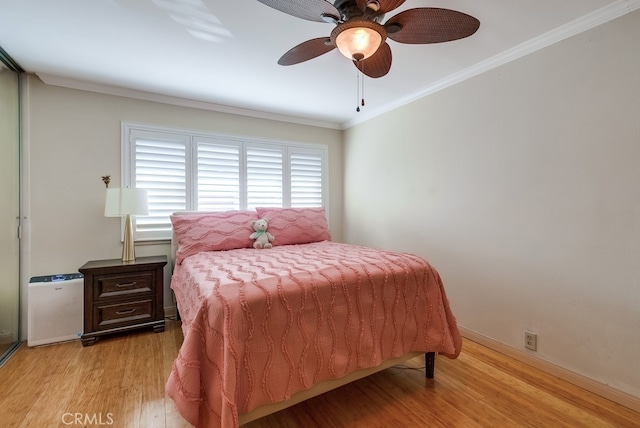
point(223, 55)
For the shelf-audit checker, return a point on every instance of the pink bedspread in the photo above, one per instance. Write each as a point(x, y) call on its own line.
point(260, 325)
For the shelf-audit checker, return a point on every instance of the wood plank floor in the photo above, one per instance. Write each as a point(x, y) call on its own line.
point(119, 382)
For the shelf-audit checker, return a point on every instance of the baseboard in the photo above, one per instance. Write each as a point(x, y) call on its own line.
point(577, 379)
point(171, 312)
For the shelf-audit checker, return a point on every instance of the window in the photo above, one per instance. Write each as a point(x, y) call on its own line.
point(189, 171)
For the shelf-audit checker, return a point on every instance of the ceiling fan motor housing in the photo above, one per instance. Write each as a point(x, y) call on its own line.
point(355, 29)
point(349, 9)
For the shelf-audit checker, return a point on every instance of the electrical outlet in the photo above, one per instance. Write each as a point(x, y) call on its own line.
point(530, 341)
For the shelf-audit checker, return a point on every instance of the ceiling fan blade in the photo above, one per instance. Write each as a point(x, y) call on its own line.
point(311, 10)
point(384, 5)
point(378, 64)
point(306, 51)
point(430, 25)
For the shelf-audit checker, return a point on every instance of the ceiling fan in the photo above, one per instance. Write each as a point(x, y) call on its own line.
point(360, 34)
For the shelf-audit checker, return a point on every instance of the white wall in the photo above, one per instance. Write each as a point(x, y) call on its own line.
point(74, 139)
point(522, 187)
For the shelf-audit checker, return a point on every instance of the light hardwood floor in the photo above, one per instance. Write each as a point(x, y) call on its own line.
point(119, 382)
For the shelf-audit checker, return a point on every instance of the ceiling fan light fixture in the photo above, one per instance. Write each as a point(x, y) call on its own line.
point(358, 40)
point(358, 43)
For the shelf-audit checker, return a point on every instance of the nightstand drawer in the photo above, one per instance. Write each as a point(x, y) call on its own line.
point(121, 314)
point(111, 286)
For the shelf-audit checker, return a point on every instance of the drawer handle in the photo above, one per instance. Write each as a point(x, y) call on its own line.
point(127, 312)
point(126, 285)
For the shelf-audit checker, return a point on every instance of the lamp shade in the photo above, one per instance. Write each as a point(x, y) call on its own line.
point(358, 43)
point(122, 202)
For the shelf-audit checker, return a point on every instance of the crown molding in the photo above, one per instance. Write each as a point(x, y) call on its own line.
point(83, 85)
point(577, 26)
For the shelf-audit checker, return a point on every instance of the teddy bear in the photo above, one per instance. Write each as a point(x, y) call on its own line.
point(262, 237)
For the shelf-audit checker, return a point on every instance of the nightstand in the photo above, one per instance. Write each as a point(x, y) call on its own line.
point(121, 296)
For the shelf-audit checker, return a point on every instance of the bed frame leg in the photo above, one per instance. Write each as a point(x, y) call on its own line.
point(429, 364)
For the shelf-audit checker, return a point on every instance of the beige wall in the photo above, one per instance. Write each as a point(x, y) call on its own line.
point(74, 139)
point(522, 187)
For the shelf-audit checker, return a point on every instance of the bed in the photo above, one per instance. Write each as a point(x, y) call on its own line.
point(267, 328)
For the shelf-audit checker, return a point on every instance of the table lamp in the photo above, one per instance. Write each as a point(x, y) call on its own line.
point(126, 202)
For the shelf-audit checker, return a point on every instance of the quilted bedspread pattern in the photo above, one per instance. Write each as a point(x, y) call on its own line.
point(260, 325)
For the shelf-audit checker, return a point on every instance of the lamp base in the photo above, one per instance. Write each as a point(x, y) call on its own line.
point(128, 250)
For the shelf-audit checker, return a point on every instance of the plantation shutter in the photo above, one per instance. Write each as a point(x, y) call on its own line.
point(218, 177)
point(306, 168)
point(264, 176)
point(161, 168)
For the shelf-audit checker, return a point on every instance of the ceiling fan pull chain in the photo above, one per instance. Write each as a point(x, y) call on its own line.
point(362, 101)
point(360, 86)
point(357, 90)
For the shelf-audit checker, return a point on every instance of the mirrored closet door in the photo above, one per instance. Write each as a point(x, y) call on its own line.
point(9, 207)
